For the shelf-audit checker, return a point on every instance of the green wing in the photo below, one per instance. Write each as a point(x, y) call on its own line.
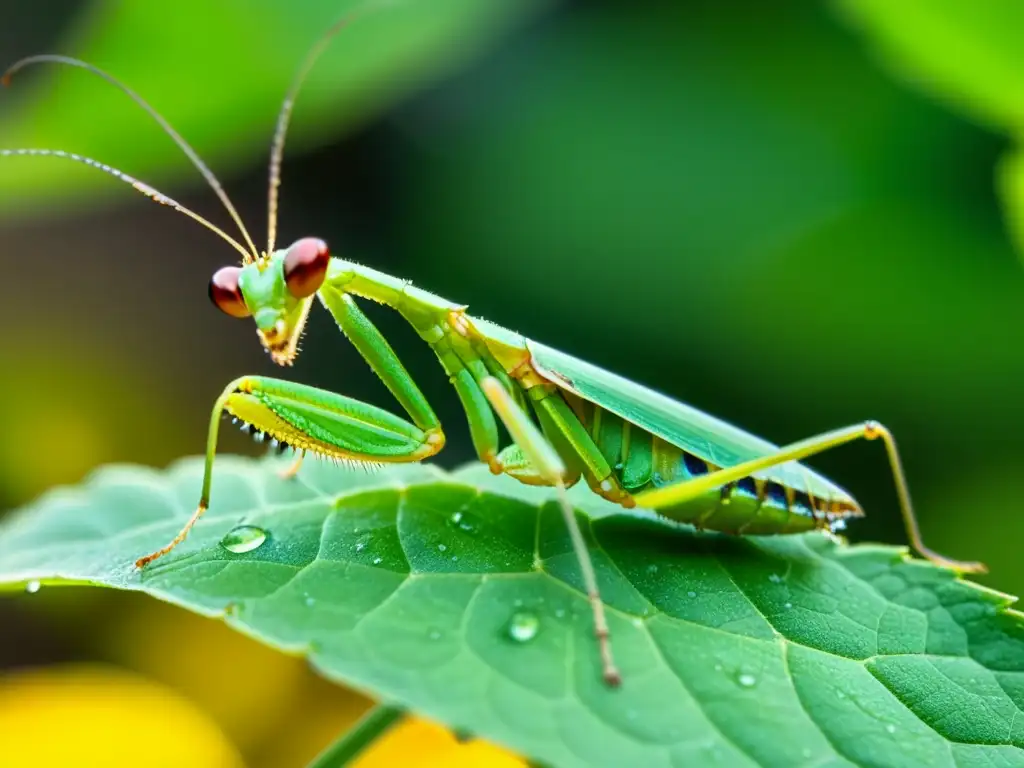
point(713, 440)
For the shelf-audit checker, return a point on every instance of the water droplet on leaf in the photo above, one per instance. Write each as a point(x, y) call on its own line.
point(746, 679)
point(890, 728)
point(244, 538)
point(691, 594)
point(652, 568)
point(457, 518)
point(33, 586)
point(441, 547)
point(775, 578)
point(523, 626)
point(378, 560)
point(360, 547)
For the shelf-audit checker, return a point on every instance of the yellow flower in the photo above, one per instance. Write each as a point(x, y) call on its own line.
point(91, 715)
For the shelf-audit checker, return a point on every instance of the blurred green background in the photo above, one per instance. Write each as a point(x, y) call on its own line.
point(792, 215)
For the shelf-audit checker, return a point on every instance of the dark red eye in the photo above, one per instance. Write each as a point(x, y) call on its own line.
point(225, 293)
point(305, 266)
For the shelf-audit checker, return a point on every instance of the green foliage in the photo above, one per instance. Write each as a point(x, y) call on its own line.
point(966, 52)
point(458, 596)
point(777, 192)
point(225, 70)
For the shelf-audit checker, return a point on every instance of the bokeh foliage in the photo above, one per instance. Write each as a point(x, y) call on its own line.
point(744, 206)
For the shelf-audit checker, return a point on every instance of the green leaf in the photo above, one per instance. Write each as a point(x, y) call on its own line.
point(218, 72)
point(457, 595)
point(1011, 187)
point(966, 51)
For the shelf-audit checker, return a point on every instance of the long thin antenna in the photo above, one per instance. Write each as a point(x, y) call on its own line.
point(212, 180)
point(283, 118)
point(153, 194)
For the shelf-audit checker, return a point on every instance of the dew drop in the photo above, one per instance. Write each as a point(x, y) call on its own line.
point(523, 626)
point(775, 578)
point(465, 527)
point(310, 601)
point(457, 518)
point(559, 613)
point(434, 634)
point(360, 547)
point(244, 538)
point(746, 679)
point(441, 547)
point(787, 606)
point(890, 728)
point(718, 667)
point(455, 558)
point(652, 568)
point(691, 594)
point(378, 560)
point(33, 586)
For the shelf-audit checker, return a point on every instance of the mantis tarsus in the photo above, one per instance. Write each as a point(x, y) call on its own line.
point(568, 419)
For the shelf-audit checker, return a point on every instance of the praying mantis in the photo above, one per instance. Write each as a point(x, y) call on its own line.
point(568, 420)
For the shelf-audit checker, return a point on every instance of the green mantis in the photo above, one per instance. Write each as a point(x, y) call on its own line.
point(568, 420)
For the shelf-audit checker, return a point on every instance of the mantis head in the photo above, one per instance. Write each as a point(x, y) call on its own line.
point(275, 287)
point(277, 292)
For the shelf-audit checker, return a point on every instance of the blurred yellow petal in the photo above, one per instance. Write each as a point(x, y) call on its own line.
point(421, 744)
point(248, 688)
point(90, 715)
point(325, 710)
point(56, 432)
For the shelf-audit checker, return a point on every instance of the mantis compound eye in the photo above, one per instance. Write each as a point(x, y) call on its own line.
point(305, 266)
point(225, 293)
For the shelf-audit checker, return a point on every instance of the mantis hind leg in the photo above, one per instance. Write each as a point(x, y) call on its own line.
point(311, 420)
point(869, 430)
point(548, 466)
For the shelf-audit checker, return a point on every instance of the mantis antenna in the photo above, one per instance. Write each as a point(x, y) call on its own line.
point(212, 180)
point(284, 117)
point(153, 194)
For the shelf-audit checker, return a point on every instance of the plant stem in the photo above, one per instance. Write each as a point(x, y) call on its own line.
point(350, 744)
